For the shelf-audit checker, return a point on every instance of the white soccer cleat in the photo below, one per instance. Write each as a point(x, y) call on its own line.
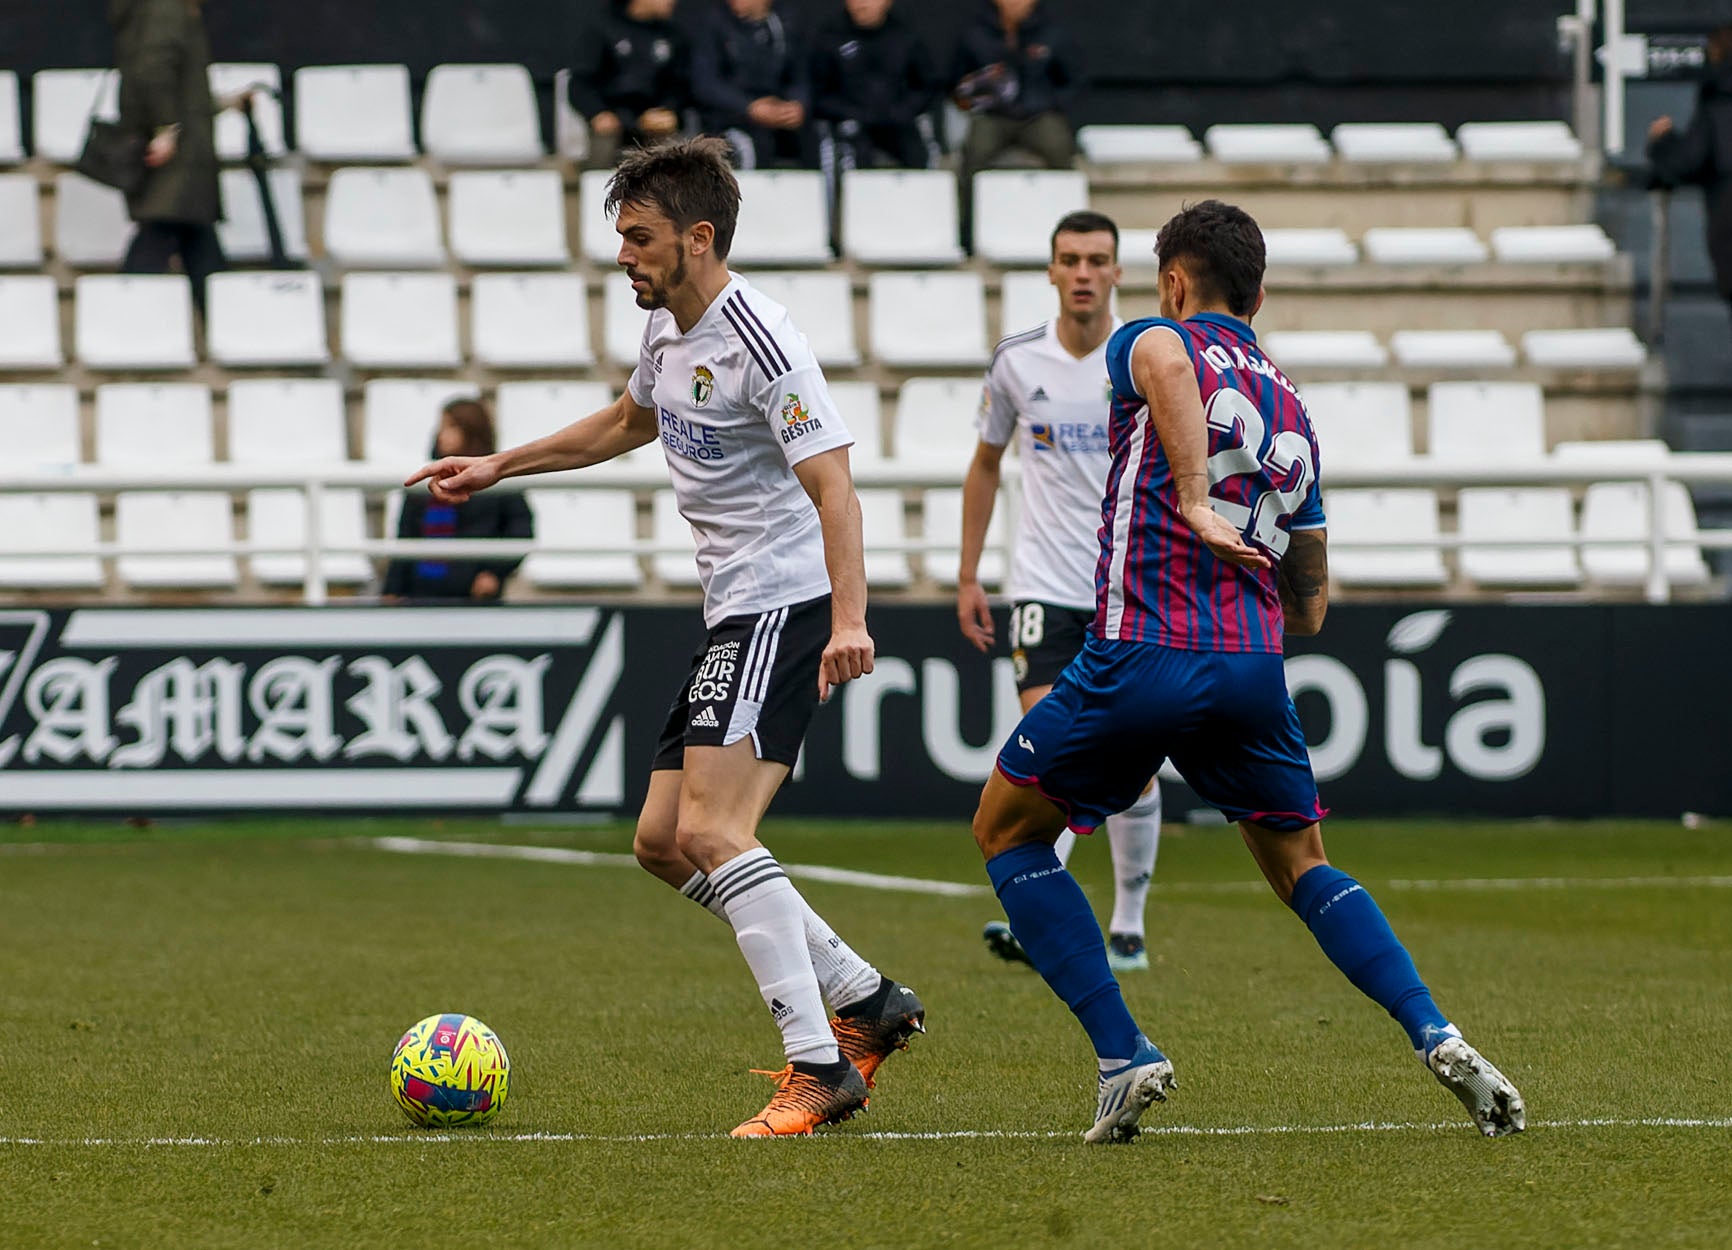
point(1489, 1096)
point(1127, 1092)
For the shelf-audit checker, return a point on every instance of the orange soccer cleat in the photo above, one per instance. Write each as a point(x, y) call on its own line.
point(871, 1031)
point(807, 1097)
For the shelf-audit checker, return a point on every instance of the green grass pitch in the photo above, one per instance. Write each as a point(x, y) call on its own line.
point(196, 1024)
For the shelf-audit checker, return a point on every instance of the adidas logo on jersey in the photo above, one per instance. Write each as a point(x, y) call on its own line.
point(1038, 395)
point(706, 719)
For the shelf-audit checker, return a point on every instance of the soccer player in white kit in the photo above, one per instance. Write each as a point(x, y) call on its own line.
point(1047, 387)
point(759, 460)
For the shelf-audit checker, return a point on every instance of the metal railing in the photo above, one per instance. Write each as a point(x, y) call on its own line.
point(1696, 468)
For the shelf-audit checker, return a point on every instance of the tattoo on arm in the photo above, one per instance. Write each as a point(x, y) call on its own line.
point(1304, 575)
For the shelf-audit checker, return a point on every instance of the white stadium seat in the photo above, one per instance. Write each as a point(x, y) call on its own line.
point(514, 218)
point(862, 411)
point(39, 425)
point(91, 229)
point(1015, 210)
point(530, 320)
point(1361, 424)
point(274, 421)
point(1309, 247)
point(526, 411)
point(783, 219)
point(1518, 141)
point(900, 217)
point(353, 113)
point(279, 516)
point(1620, 512)
point(677, 567)
point(481, 115)
point(63, 101)
point(1553, 245)
point(622, 321)
point(266, 82)
point(153, 424)
point(920, 319)
point(1284, 144)
point(1026, 298)
point(1539, 513)
point(400, 320)
point(132, 321)
point(936, 422)
point(597, 238)
point(1400, 515)
point(1615, 347)
point(1452, 349)
point(1487, 422)
point(20, 223)
point(400, 417)
point(583, 518)
point(30, 323)
point(1391, 142)
point(1294, 350)
point(32, 522)
point(1126, 145)
point(941, 522)
point(11, 129)
point(882, 520)
point(266, 318)
point(184, 521)
point(1423, 245)
point(244, 234)
point(383, 219)
point(821, 306)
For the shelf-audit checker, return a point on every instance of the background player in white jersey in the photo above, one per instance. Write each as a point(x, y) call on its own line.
point(1047, 388)
point(759, 459)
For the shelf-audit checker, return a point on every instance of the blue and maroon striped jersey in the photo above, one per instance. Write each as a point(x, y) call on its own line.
point(1156, 582)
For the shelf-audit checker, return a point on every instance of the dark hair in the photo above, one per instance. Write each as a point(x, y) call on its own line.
point(1085, 221)
point(688, 180)
point(475, 423)
point(1223, 250)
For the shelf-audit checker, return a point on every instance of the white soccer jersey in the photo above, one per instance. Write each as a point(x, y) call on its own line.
point(739, 401)
point(1056, 407)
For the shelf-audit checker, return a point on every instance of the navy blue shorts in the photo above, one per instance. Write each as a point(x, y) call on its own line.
point(1121, 709)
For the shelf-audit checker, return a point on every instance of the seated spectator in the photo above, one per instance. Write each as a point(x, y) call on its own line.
point(465, 429)
point(751, 81)
point(1016, 84)
point(873, 82)
point(629, 78)
point(1701, 154)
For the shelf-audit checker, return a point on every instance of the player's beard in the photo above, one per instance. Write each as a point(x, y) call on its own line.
point(657, 296)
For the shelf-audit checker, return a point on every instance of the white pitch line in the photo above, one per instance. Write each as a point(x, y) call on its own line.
point(1153, 1130)
point(565, 855)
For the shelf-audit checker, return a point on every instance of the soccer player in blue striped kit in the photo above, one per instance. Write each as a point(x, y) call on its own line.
point(1212, 546)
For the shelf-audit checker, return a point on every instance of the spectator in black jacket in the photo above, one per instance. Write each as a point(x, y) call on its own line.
point(1015, 80)
point(629, 78)
point(465, 429)
point(872, 81)
point(1701, 154)
point(752, 82)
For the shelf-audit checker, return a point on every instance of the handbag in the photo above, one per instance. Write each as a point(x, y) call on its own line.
point(113, 154)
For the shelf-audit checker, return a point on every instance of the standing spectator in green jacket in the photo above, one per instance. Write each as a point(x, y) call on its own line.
point(163, 56)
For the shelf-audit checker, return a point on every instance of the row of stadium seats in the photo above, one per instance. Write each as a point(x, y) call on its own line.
point(488, 114)
point(541, 321)
point(378, 217)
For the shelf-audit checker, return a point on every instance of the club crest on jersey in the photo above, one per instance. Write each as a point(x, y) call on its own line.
point(1041, 436)
point(796, 421)
point(703, 385)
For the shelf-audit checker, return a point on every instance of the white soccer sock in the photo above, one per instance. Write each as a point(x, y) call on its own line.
point(843, 976)
point(1135, 836)
point(1063, 846)
point(766, 913)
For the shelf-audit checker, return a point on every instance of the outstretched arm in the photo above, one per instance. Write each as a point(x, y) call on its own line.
point(1304, 581)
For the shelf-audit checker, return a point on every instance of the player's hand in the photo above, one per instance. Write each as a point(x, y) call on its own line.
point(974, 614)
point(455, 478)
point(848, 655)
point(1222, 539)
point(1659, 129)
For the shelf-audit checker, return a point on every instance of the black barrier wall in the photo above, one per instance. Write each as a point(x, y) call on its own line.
point(1508, 711)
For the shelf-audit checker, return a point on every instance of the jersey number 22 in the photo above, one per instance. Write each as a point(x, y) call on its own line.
point(1288, 463)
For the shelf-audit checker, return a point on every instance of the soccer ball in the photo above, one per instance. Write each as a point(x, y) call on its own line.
point(450, 1070)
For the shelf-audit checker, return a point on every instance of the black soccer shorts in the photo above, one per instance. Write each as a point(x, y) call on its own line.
point(1044, 638)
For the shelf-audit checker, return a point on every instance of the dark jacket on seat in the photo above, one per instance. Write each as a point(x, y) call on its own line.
point(1039, 65)
point(627, 67)
point(879, 77)
point(502, 514)
point(1701, 154)
point(735, 62)
point(163, 57)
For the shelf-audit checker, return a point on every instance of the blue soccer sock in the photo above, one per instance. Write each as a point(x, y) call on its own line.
point(1051, 918)
point(1350, 928)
